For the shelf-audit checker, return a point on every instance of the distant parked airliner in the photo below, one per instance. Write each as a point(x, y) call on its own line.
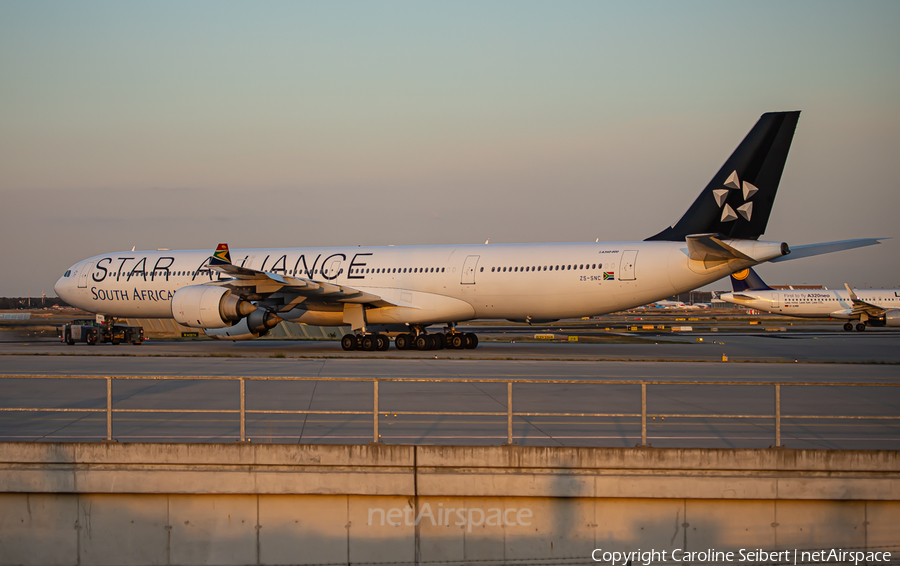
point(873, 307)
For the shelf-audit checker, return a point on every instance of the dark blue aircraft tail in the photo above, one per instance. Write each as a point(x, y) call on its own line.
point(748, 280)
point(738, 200)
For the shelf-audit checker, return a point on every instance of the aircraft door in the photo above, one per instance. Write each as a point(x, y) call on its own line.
point(83, 276)
point(334, 269)
point(626, 267)
point(468, 271)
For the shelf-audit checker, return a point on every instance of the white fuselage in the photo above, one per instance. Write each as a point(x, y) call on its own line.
point(428, 284)
point(812, 303)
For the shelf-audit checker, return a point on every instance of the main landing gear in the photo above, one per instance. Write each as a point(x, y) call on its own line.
point(411, 341)
point(437, 341)
point(365, 342)
point(860, 327)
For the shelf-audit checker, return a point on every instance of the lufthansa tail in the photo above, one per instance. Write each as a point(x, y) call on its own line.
point(748, 280)
point(737, 202)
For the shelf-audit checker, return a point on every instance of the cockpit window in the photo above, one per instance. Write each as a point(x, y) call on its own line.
point(69, 272)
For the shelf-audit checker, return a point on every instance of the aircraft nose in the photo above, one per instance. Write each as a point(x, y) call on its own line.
point(62, 286)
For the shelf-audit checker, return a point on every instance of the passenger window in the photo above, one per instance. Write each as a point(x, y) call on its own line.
point(482, 269)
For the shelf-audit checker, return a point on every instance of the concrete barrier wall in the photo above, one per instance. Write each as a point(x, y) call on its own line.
point(278, 504)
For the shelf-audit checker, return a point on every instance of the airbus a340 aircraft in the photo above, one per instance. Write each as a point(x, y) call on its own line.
point(402, 290)
point(873, 307)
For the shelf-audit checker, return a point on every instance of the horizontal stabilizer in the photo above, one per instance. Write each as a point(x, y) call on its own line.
point(810, 250)
point(714, 247)
point(708, 247)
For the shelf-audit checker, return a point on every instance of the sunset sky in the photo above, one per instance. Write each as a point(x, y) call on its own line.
point(186, 124)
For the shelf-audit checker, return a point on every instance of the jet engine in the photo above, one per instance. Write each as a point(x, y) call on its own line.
point(890, 318)
point(204, 306)
point(259, 322)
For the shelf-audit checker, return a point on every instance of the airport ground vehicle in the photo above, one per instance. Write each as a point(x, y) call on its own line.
point(100, 330)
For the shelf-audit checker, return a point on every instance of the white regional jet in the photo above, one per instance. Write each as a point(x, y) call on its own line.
point(402, 290)
point(873, 307)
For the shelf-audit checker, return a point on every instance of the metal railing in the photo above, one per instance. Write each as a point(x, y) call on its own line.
point(510, 414)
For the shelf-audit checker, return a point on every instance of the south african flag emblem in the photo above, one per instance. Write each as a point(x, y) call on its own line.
point(609, 275)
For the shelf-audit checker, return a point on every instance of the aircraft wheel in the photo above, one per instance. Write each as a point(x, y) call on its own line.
point(440, 341)
point(423, 342)
point(472, 340)
point(348, 342)
point(860, 327)
point(369, 343)
point(402, 341)
point(848, 327)
point(384, 343)
point(457, 341)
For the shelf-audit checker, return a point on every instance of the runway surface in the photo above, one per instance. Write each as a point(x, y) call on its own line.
point(872, 346)
point(773, 361)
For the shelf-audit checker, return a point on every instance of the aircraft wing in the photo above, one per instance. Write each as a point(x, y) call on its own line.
point(259, 285)
point(742, 297)
point(860, 306)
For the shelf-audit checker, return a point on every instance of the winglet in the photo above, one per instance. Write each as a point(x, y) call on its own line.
point(221, 256)
point(853, 296)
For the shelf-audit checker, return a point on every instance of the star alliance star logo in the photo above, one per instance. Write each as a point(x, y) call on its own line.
point(721, 195)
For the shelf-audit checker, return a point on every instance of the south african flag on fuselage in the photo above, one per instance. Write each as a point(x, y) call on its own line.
point(609, 275)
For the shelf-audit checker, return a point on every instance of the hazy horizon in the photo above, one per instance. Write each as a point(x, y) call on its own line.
point(171, 125)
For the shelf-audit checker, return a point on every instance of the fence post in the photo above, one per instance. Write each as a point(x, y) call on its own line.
point(375, 435)
point(509, 413)
point(243, 419)
point(109, 409)
point(777, 416)
point(643, 414)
